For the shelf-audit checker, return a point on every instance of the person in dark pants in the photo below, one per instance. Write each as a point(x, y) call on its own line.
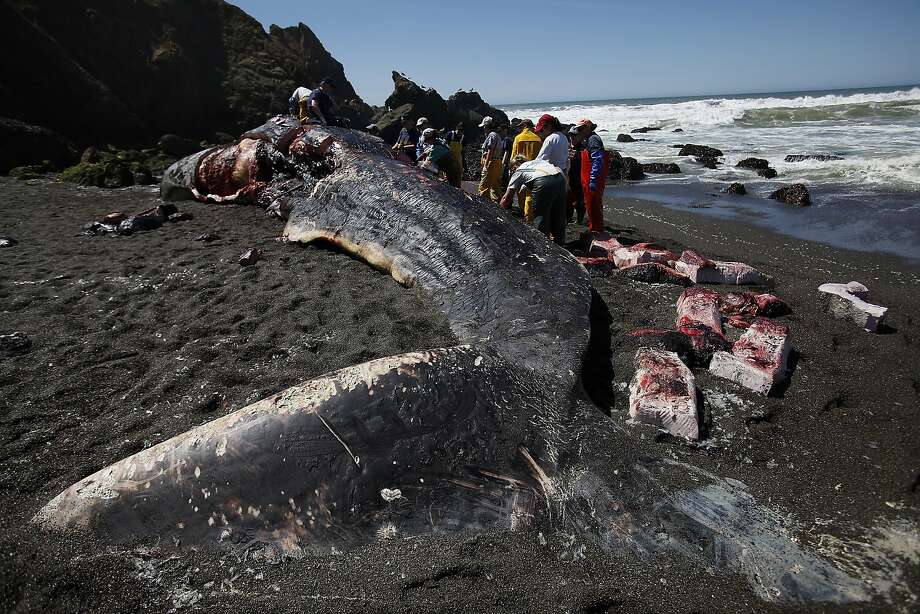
point(576, 196)
point(319, 105)
point(546, 183)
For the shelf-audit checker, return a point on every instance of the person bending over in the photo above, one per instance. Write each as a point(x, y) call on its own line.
point(319, 105)
point(546, 183)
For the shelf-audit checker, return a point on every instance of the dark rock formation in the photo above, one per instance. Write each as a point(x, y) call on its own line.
point(796, 194)
point(643, 130)
point(25, 144)
point(700, 151)
point(624, 168)
point(625, 138)
point(767, 173)
point(176, 146)
point(753, 163)
point(737, 189)
point(661, 168)
point(101, 71)
point(819, 157)
point(678, 130)
point(708, 161)
point(410, 99)
point(112, 174)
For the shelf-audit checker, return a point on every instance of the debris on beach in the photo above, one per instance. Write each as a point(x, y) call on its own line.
point(250, 257)
point(702, 270)
point(207, 237)
point(14, 344)
point(663, 393)
point(8, 241)
point(123, 224)
point(848, 301)
point(795, 194)
point(758, 360)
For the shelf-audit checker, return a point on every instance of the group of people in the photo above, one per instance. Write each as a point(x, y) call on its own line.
point(557, 174)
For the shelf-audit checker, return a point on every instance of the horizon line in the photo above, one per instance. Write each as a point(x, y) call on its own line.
point(896, 86)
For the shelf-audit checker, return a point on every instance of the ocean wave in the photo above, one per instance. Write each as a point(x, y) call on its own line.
point(778, 116)
point(712, 112)
point(901, 172)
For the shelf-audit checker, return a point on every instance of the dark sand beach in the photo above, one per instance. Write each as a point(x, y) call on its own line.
point(136, 339)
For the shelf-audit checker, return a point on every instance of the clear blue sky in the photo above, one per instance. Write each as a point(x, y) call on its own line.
point(550, 50)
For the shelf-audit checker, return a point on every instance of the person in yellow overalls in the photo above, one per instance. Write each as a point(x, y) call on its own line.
point(490, 182)
point(455, 142)
point(527, 144)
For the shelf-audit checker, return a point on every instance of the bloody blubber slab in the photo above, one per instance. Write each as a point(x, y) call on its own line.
point(699, 307)
point(702, 270)
point(663, 393)
point(758, 360)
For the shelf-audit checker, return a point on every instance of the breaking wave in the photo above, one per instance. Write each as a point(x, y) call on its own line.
point(742, 111)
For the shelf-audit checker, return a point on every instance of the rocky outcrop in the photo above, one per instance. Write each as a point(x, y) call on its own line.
point(661, 168)
point(753, 163)
point(100, 71)
point(818, 157)
point(759, 165)
point(737, 189)
point(624, 169)
point(625, 138)
point(25, 144)
point(412, 100)
point(796, 194)
point(710, 162)
point(644, 130)
point(700, 151)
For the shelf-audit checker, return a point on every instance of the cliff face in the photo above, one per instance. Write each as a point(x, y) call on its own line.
point(127, 71)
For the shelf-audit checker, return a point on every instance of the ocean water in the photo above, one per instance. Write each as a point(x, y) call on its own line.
point(869, 200)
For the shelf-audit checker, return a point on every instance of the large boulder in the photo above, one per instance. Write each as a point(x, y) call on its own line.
point(661, 168)
point(700, 151)
point(625, 138)
point(795, 194)
point(753, 163)
point(124, 73)
point(623, 168)
point(25, 144)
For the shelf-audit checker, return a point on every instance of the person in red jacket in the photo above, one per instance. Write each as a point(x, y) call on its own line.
point(595, 164)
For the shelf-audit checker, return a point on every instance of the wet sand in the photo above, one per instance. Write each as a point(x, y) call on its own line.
point(138, 339)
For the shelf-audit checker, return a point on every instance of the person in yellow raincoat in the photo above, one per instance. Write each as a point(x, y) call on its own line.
point(455, 142)
point(490, 183)
point(527, 144)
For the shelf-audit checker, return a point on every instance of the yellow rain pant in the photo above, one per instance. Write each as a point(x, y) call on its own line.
point(456, 150)
point(490, 184)
point(302, 107)
point(525, 200)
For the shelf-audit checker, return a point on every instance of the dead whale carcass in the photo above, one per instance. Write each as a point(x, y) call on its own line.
point(493, 433)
